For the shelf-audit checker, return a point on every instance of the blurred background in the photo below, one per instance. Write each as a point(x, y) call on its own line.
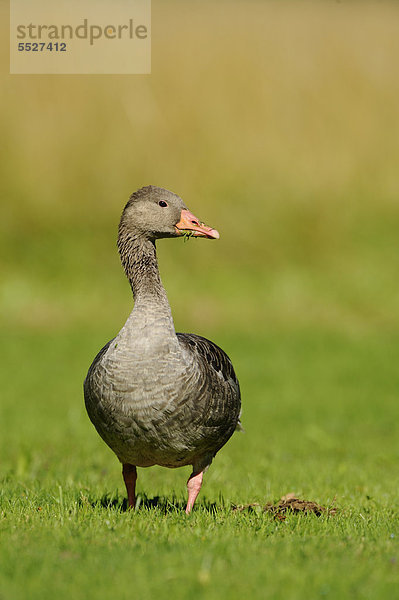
point(278, 124)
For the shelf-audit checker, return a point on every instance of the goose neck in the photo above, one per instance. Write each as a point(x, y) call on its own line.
point(139, 259)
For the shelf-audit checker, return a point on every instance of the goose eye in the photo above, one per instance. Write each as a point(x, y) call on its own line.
point(162, 203)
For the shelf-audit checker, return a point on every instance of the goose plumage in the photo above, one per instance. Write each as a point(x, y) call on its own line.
point(158, 397)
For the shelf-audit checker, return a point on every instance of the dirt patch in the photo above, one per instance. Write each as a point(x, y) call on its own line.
point(288, 504)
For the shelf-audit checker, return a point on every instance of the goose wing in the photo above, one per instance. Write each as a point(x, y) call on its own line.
point(222, 389)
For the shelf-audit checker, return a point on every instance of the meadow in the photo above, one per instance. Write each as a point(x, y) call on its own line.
point(278, 124)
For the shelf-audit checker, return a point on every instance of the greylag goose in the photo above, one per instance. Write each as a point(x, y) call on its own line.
point(158, 397)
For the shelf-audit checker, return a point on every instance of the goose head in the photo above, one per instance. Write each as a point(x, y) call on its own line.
point(153, 212)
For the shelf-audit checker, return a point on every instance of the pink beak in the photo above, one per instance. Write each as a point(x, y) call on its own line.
point(188, 222)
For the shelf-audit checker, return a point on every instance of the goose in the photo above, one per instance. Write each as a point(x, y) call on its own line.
point(158, 397)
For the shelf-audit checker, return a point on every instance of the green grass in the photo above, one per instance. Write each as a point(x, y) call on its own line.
point(321, 419)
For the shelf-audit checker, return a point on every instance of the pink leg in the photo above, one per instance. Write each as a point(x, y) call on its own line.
point(193, 486)
point(129, 473)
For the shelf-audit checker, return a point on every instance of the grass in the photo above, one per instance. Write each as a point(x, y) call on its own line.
point(321, 420)
point(279, 126)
